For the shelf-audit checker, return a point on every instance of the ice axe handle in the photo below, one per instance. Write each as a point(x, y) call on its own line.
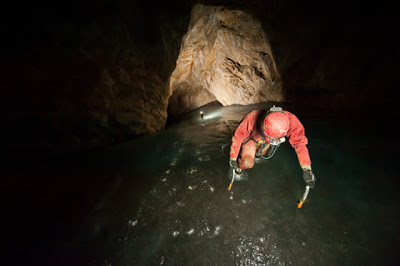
point(233, 179)
point(300, 203)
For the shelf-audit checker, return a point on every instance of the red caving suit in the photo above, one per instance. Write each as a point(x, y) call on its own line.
point(250, 129)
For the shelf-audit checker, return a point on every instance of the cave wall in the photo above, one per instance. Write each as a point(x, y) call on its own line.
point(84, 75)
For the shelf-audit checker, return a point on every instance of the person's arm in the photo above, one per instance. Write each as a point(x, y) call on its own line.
point(241, 133)
point(298, 140)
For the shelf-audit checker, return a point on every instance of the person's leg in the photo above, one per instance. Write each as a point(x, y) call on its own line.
point(246, 156)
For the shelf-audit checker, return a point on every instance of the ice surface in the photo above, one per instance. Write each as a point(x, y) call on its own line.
point(164, 199)
point(262, 224)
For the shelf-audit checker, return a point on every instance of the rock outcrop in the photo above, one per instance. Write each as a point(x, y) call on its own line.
point(225, 56)
point(137, 103)
point(87, 84)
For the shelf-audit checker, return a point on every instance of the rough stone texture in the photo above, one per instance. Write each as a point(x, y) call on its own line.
point(225, 55)
point(85, 80)
point(136, 102)
point(131, 92)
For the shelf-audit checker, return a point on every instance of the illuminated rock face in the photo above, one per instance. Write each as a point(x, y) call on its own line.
point(225, 56)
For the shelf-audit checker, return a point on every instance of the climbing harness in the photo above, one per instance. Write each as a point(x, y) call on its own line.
point(275, 143)
point(272, 152)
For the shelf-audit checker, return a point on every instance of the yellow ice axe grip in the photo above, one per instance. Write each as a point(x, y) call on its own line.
point(230, 185)
point(300, 204)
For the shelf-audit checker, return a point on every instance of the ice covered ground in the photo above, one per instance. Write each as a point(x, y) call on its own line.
point(164, 200)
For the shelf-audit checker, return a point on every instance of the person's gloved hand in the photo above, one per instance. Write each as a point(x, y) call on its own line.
point(309, 177)
point(233, 163)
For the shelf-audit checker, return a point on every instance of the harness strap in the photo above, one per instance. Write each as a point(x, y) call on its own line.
point(247, 140)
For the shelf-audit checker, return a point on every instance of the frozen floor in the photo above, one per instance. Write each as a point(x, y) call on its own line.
point(164, 200)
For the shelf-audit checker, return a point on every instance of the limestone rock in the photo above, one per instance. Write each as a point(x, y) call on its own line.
point(138, 104)
point(225, 56)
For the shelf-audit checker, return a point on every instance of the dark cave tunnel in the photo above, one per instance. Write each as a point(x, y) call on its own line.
point(84, 77)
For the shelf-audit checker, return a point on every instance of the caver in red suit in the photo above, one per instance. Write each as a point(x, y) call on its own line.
point(269, 128)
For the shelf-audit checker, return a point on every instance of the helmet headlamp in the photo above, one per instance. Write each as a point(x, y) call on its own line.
point(276, 141)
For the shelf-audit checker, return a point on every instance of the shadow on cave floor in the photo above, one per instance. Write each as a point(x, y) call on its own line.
point(163, 199)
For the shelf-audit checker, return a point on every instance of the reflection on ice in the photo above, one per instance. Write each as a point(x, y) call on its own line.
point(212, 115)
point(217, 229)
point(132, 223)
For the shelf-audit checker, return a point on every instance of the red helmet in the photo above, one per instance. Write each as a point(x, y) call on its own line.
point(276, 125)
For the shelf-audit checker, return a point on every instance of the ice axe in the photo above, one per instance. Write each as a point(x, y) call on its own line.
point(235, 172)
point(301, 201)
point(233, 179)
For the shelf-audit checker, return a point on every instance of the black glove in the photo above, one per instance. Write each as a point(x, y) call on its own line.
point(309, 178)
point(233, 163)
